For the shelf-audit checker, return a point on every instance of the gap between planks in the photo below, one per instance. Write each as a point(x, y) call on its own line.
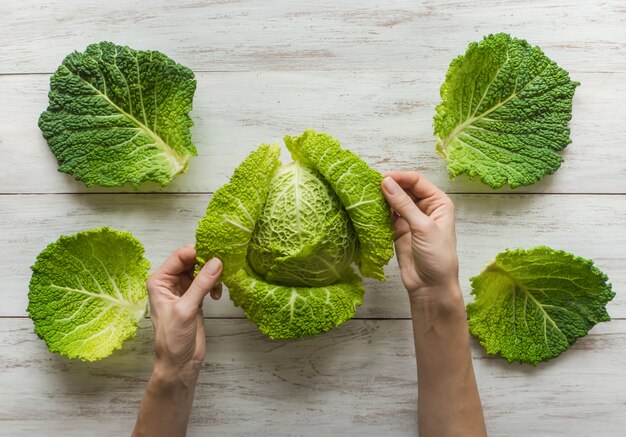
point(171, 193)
point(50, 73)
point(244, 318)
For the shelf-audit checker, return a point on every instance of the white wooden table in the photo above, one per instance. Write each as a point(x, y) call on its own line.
point(369, 74)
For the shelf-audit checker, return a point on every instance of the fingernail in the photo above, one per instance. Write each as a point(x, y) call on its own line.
point(390, 185)
point(216, 293)
point(213, 266)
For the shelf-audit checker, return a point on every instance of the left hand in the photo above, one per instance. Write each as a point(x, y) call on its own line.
point(176, 309)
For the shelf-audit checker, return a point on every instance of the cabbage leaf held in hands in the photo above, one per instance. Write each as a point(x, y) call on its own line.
point(531, 305)
point(504, 113)
point(119, 115)
point(289, 234)
point(88, 292)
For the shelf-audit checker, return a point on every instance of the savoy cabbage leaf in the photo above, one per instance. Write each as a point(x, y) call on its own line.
point(119, 115)
point(282, 311)
point(531, 305)
point(504, 113)
point(88, 292)
point(358, 189)
point(289, 234)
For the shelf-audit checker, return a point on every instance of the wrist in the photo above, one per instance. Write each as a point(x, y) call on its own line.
point(441, 305)
point(169, 377)
point(167, 402)
point(446, 295)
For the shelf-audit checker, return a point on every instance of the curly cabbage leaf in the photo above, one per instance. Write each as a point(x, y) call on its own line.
point(235, 208)
point(88, 292)
point(358, 189)
point(283, 312)
point(118, 115)
point(289, 234)
point(504, 113)
point(532, 305)
point(304, 238)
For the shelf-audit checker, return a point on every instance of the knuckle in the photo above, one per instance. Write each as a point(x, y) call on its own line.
point(204, 281)
point(445, 200)
point(180, 312)
point(451, 205)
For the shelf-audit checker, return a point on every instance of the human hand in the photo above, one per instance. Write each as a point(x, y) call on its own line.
point(426, 250)
point(176, 310)
point(425, 236)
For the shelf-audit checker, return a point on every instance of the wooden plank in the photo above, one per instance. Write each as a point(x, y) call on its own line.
point(591, 226)
point(401, 35)
point(356, 380)
point(384, 117)
point(368, 73)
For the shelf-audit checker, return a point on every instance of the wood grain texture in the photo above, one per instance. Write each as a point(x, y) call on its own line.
point(369, 74)
point(384, 117)
point(400, 35)
point(590, 226)
point(356, 380)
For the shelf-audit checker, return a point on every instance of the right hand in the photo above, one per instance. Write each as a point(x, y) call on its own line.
point(425, 236)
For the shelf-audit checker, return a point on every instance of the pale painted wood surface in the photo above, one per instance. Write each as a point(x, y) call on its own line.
point(587, 225)
point(386, 117)
point(358, 379)
point(254, 35)
point(368, 73)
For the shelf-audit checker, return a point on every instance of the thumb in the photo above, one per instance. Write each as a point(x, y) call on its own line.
point(203, 283)
point(404, 206)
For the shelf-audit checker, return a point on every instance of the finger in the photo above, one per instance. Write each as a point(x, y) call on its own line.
point(216, 292)
point(429, 199)
point(200, 334)
point(401, 227)
point(404, 252)
point(439, 210)
point(182, 283)
point(202, 285)
point(181, 260)
point(402, 204)
point(417, 184)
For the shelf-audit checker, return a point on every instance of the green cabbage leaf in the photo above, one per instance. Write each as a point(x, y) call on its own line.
point(88, 292)
point(288, 235)
point(504, 113)
point(531, 305)
point(118, 115)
